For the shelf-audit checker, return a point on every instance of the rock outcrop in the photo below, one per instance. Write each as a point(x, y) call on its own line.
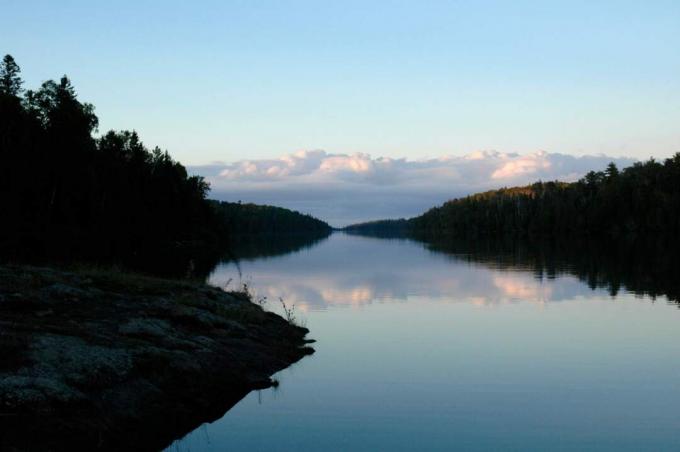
point(109, 361)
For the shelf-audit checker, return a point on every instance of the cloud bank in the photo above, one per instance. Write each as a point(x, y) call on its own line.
point(346, 188)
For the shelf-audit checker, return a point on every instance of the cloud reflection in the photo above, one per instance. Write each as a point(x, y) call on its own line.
point(353, 271)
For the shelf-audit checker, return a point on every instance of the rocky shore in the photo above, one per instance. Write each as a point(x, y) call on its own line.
point(97, 360)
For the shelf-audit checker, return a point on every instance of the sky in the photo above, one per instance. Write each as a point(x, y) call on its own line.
point(220, 82)
point(344, 189)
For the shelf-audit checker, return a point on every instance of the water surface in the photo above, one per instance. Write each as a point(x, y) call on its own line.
point(419, 349)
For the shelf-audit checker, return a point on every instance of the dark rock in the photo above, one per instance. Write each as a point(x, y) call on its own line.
point(103, 361)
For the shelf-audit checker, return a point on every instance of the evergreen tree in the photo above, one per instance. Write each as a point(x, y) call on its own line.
point(67, 195)
point(641, 200)
point(10, 80)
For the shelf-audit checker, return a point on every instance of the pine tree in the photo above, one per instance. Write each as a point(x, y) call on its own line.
point(10, 81)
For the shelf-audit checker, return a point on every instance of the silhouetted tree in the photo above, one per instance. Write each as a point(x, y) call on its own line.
point(10, 80)
point(67, 195)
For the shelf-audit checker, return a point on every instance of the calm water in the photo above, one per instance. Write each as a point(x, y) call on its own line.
point(423, 350)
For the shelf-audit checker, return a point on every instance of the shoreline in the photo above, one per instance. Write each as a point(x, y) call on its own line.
point(109, 361)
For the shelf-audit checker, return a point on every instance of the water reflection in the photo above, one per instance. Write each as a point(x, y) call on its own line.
point(354, 270)
point(560, 356)
point(644, 267)
point(248, 247)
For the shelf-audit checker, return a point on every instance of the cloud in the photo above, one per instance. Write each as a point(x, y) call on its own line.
point(346, 188)
point(523, 166)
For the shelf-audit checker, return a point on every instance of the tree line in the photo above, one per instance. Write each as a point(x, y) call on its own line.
point(380, 228)
point(247, 218)
point(69, 195)
point(638, 201)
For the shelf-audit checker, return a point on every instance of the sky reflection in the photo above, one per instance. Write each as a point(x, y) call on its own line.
point(422, 350)
point(352, 270)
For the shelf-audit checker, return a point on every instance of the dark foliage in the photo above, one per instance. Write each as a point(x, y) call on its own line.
point(67, 195)
point(379, 228)
point(641, 200)
point(240, 218)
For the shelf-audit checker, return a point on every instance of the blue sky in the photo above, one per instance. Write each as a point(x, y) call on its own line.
point(233, 80)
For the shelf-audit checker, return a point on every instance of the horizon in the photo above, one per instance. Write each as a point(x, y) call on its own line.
point(344, 189)
point(223, 85)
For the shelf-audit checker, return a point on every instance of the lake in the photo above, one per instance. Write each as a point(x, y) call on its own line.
point(430, 350)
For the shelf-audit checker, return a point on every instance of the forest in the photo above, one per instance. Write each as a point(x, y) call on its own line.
point(247, 218)
point(639, 201)
point(70, 195)
point(380, 228)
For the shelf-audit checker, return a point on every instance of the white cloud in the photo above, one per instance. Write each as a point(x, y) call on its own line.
point(345, 188)
point(522, 166)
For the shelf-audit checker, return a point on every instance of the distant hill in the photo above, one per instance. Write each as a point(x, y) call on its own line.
point(238, 218)
point(380, 228)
